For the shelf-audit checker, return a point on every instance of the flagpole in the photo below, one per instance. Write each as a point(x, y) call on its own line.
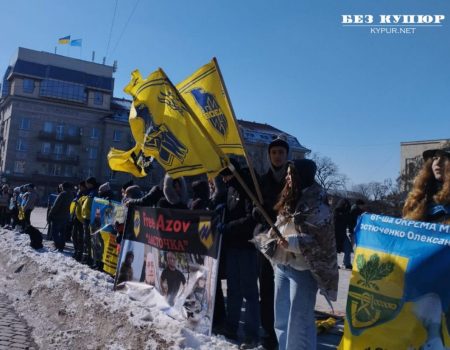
point(247, 158)
point(225, 158)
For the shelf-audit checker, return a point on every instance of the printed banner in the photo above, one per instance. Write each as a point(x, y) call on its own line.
point(105, 217)
point(399, 291)
point(176, 252)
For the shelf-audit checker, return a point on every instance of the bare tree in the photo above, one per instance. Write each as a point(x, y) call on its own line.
point(327, 174)
point(363, 190)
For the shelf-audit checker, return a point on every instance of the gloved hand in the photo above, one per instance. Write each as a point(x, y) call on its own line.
point(221, 228)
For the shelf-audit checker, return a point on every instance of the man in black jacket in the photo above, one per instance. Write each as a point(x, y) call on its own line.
point(59, 215)
point(240, 259)
point(271, 185)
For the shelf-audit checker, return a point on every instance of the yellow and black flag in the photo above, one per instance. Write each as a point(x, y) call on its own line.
point(165, 128)
point(132, 161)
point(204, 91)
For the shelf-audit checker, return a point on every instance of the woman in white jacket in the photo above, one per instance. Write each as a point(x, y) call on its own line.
point(306, 261)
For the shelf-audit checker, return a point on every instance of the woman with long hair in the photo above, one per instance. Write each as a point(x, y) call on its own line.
point(306, 259)
point(429, 199)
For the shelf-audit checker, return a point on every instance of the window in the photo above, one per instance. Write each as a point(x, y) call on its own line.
point(72, 130)
point(70, 150)
point(68, 171)
point(21, 145)
point(95, 133)
point(28, 86)
point(48, 127)
point(55, 169)
point(46, 148)
point(58, 150)
point(62, 90)
point(60, 132)
point(98, 98)
point(117, 136)
point(19, 166)
point(25, 124)
point(92, 152)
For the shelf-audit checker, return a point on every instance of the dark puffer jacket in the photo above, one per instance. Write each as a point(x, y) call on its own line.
point(239, 223)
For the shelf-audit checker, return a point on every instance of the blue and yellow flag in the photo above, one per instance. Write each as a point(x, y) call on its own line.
point(204, 92)
point(65, 40)
point(163, 125)
point(398, 297)
point(76, 42)
point(132, 161)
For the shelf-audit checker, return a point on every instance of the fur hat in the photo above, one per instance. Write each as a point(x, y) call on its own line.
point(104, 187)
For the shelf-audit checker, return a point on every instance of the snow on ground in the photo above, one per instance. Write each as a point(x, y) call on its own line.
point(71, 306)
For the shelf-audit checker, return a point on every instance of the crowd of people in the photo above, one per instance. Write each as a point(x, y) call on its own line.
point(280, 292)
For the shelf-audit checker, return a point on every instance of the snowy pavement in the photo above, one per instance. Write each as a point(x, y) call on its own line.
point(70, 306)
point(14, 331)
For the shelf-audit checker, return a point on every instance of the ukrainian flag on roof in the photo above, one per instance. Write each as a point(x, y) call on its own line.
point(64, 40)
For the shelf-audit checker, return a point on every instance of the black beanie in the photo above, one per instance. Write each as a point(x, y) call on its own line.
point(306, 171)
point(278, 142)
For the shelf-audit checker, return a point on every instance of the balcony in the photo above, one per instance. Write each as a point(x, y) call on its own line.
point(58, 158)
point(53, 136)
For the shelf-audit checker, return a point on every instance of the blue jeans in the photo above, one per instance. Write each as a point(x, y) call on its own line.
point(295, 298)
point(242, 275)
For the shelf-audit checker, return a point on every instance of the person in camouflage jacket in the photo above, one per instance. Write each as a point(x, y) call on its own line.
point(306, 259)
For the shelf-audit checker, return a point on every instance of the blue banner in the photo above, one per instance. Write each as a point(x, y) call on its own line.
point(399, 293)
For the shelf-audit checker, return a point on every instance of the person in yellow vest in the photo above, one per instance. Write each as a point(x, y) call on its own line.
point(77, 221)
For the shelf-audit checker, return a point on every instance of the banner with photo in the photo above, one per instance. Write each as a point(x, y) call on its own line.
point(106, 218)
point(176, 252)
point(399, 290)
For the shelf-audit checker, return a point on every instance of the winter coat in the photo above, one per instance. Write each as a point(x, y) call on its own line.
point(239, 223)
point(30, 199)
point(313, 245)
point(61, 208)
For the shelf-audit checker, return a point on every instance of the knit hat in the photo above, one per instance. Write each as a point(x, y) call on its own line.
point(66, 185)
point(279, 141)
point(92, 180)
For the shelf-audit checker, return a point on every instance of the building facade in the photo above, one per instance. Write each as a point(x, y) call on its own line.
point(59, 119)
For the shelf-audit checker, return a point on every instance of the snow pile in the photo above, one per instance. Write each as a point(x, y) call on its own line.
point(71, 306)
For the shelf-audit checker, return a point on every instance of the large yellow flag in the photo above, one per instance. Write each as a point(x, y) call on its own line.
point(132, 161)
point(164, 127)
point(204, 91)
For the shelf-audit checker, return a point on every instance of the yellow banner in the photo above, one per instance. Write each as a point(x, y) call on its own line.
point(132, 161)
point(204, 92)
point(109, 254)
point(165, 129)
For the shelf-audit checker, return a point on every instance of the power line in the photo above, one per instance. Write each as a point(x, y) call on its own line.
point(126, 24)
point(112, 26)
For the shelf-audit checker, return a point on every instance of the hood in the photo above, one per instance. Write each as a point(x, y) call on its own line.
point(169, 192)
